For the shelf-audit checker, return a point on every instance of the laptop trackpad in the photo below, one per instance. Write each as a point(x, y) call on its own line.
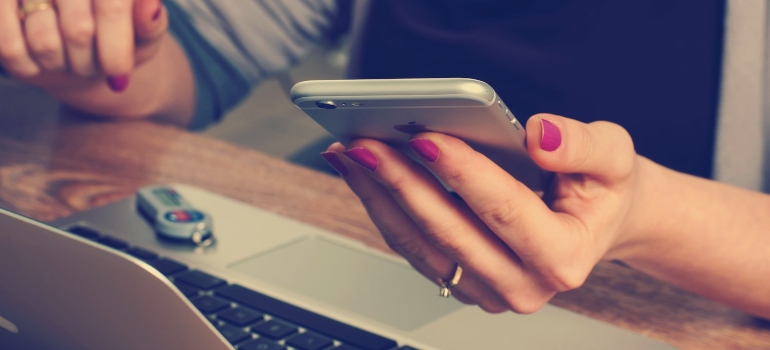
point(352, 279)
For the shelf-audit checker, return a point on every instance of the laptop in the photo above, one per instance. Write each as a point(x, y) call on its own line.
point(102, 279)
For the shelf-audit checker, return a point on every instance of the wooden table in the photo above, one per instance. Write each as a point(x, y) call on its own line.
point(53, 164)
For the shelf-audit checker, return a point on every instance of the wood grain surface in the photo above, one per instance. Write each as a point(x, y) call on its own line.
point(53, 163)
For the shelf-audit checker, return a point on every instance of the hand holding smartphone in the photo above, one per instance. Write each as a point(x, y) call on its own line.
point(392, 110)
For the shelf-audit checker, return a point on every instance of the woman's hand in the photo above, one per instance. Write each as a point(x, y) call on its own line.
point(516, 249)
point(79, 43)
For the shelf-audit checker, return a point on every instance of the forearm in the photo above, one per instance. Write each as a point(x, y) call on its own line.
point(706, 237)
point(162, 88)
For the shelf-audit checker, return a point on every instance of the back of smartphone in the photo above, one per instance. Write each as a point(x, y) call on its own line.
point(392, 110)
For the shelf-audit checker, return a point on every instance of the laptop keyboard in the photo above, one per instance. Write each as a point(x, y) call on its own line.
point(250, 320)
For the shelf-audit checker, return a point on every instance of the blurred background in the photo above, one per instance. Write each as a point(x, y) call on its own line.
point(267, 120)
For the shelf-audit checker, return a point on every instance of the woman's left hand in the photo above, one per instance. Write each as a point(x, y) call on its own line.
point(78, 44)
point(516, 249)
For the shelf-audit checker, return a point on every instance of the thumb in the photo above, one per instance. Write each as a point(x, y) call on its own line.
point(601, 149)
point(150, 21)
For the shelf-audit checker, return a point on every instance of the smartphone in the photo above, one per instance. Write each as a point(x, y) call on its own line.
point(392, 110)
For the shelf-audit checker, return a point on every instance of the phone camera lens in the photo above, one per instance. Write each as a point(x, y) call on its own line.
point(326, 104)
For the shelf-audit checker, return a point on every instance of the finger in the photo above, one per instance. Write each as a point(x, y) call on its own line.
point(601, 149)
point(451, 226)
point(150, 25)
point(404, 237)
point(594, 164)
point(41, 28)
point(115, 40)
point(549, 244)
point(13, 48)
point(78, 30)
point(150, 20)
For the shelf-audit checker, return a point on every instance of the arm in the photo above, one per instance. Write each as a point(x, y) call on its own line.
point(606, 202)
point(706, 237)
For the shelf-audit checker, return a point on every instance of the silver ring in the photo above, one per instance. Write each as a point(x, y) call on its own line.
point(445, 287)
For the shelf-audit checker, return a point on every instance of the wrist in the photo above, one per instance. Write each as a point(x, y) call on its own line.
point(650, 200)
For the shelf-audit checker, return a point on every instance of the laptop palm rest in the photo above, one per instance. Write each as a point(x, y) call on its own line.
point(383, 290)
point(329, 274)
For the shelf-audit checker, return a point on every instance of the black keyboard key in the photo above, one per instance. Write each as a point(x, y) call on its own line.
point(322, 324)
point(167, 266)
point(208, 304)
point(310, 341)
point(233, 334)
point(240, 316)
point(142, 254)
point(187, 291)
point(274, 329)
point(200, 280)
point(85, 232)
point(113, 242)
point(261, 344)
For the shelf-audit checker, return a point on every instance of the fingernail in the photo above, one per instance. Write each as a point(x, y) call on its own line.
point(157, 13)
point(118, 83)
point(362, 157)
point(550, 138)
point(335, 162)
point(425, 148)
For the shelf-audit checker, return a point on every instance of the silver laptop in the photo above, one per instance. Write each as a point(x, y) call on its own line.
point(269, 282)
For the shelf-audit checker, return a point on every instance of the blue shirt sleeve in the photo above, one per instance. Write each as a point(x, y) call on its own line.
point(219, 85)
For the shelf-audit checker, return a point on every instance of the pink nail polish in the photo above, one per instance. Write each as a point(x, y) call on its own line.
point(363, 157)
point(335, 162)
point(118, 83)
point(550, 137)
point(157, 13)
point(425, 148)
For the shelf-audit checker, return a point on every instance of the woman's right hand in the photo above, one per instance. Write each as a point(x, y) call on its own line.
point(516, 249)
point(79, 43)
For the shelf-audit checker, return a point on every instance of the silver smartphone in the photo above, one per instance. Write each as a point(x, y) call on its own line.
point(392, 110)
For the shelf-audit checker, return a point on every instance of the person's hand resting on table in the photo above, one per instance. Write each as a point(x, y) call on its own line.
point(100, 56)
point(518, 250)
